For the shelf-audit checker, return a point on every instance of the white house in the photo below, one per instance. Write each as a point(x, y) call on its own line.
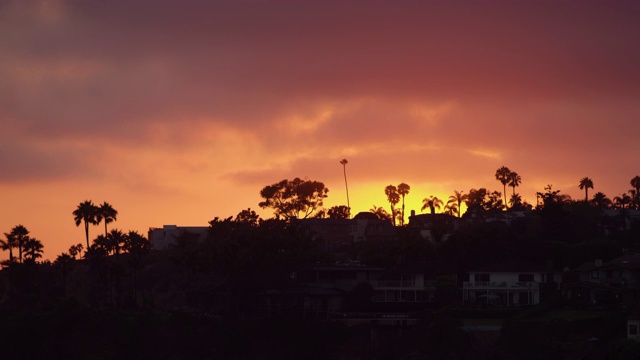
point(510, 283)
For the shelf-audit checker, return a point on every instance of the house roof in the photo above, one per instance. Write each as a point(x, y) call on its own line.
point(512, 265)
point(626, 262)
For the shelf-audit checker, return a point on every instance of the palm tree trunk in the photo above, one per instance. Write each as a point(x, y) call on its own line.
point(86, 232)
point(344, 167)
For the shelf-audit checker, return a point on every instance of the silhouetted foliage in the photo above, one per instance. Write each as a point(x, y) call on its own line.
point(295, 198)
point(339, 212)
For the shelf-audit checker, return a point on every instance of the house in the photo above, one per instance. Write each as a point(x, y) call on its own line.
point(612, 283)
point(167, 236)
point(334, 234)
point(509, 283)
point(433, 227)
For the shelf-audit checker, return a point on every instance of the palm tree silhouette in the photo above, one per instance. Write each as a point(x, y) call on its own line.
point(20, 236)
point(33, 249)
point(457, 198)
point(432, 203)
point(393, 197)
point(344, 163)
point(503, 175)
point(586, 184)
point(622, 201)
point(380, 212)
point(601, 201)
point(403, 189)
point(107, 213)
point(8, 244)
point(86, 212)
point(514, 180)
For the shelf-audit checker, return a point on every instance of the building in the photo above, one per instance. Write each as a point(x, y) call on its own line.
point(167, 236)
point(509, 283)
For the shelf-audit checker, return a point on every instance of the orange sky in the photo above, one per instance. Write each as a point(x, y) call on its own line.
point(177, 113)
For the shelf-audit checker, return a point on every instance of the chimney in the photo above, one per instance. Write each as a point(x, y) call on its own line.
point(413, 213)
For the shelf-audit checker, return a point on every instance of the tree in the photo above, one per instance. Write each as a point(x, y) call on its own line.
point(457, 198)
point(18, 237)
point(107, 213)
point(116, 240)
point(75, 250)
point(451, 209)
point(380, 212)
point(86, 212)
point(432, 203)
point(635, 183)
point(344, 163)
point(514, 181)
point(339, 212)
point(393, 197)
point(601, 201)
point(622, 201)
point(293, 198)
point(8, 244)
point(248, 217)
point(503, 175)
point(403, 190)
point(586, 184)
point(33, 249)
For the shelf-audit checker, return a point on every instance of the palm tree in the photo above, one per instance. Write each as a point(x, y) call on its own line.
point(403, 189)
point(451, 209)
point(503, 175)
point(457, 198)
point(19, 236)
point(33, 249)
point(393, 197)
point(514, 180)
point(86, 212)
point(344, 163)
point(107, 213)
point(116, 239)
point(601, 201)
point(635, 183)
point(380, 212)
point(586, 184)
point(432, 203)
point(8, 244)
point(622, 201)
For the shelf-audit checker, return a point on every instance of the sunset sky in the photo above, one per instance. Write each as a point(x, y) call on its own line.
point(178, 112)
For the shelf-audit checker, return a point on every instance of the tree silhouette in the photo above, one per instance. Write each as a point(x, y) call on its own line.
point(8, 244)
point(457, 198)
point(115, 240)
point(17, 238)
point(601, 201)
point(33, 249)
point(403, 190)
point(432, 203)
point(75, 250)
point(635, 183)
point(393, 198)
point(106, 213)
point(380, 212)
point(514, 181)
point(451, 209)
point(586, 184)
point(344, 163)
point(339, 212)
point(622, 201)
point(503, 175)
point(292, 198)
point(86, 212)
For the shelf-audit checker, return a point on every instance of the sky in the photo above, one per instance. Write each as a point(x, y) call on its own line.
point(179, 112)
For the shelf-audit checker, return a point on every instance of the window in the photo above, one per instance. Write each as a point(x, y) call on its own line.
point(633, 329)
point(594, 274)
point(481, 278)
